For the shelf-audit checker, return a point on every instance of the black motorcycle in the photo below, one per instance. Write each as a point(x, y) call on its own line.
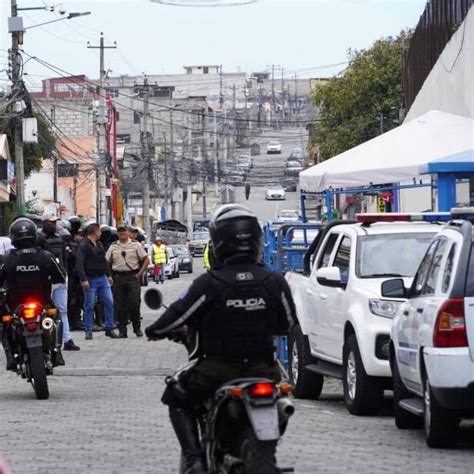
point(31, 334)
point(240, 427)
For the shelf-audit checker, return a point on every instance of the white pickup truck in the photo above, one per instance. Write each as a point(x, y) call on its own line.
point(344, 322)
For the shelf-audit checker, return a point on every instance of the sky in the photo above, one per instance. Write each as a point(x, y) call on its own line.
point(302, 36)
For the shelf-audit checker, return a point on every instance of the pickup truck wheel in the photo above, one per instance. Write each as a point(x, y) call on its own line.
point(440, 424)
point(306, 384)
point(403, 419)
point(363, 395)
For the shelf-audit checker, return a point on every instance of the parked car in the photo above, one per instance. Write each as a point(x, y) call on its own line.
point(293, 168)
point(296, 155)
point(289, 184)
point(432, 343)
point(235, 180)
point(288, 215)
point(185, 259)
point(275, 192)
point(198, 243)
point(274, 148)
point(172, 267)
point(343, 321)
point(245, 159)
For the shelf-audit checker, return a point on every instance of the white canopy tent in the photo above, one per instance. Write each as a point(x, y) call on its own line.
point(396, 156)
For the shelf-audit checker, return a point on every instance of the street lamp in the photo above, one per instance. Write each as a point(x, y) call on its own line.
point(69, 17)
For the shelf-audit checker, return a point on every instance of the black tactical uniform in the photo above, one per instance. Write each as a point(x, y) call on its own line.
point(27, 272)
point(233, 312)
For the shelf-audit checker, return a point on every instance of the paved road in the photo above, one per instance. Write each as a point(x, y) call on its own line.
point(105, 416)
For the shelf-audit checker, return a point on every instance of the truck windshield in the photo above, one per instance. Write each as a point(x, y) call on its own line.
point(391, 255)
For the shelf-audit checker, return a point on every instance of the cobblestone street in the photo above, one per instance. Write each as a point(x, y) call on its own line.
point(104, 415)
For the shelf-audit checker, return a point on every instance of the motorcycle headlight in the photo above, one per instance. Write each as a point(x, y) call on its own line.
point(384, 308)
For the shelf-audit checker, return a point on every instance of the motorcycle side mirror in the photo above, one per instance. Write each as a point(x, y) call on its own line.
point(153, 298)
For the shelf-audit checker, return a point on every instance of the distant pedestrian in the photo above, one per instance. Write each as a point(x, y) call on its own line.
point(129, 261)
point(159, 259)
point(247, 191)
point(94, 274)
point(135, 234)
point(75, 294)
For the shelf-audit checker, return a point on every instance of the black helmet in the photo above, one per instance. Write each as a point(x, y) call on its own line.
point(75, 224)
point(235, 230)
point(23, 232)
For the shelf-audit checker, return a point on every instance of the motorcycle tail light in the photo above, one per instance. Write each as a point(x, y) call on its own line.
point(286, 388)
point(31, 326)
point(30, 310)
point(262, 389)
point(6, 318)
point(236, 391)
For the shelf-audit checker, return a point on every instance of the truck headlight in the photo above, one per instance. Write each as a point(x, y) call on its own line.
point(384, 308)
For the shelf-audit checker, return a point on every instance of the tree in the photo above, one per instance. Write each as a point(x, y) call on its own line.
point(365, 99)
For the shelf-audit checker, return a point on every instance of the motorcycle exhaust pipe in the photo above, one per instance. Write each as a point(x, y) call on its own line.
point(47, 324)
point(285, 409)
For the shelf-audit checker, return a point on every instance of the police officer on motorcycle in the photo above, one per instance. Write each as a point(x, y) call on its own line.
point(233, 312)
point(27, 272)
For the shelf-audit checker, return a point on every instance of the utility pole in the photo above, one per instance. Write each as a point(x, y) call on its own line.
point(282, 95)
point(296, 95)
point(55, 161)
point(17, 92)
point(173, 177)
point(101, 132)
point(221, 88)
point(273, 86)
point(165, 155)
point(146, 158)
point(216, 156)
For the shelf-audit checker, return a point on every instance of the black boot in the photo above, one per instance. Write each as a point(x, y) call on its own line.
point(185, 428)
point(123, 333)
point(9, 356)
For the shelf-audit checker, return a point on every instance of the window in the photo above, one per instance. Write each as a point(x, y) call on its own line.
point(327, 252)
point(123, 137)
point(114, 92)
point(422, 273)
point(448, 270)
point(434, 271)
point(343, 257)
point(206, 70)
point(117, 114)
point(136, 118)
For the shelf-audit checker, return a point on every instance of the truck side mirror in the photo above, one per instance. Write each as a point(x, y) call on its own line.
point(394, 288)
point(330, 276)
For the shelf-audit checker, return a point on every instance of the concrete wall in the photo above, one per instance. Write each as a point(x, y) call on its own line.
point(450, 84)
point(73, 117)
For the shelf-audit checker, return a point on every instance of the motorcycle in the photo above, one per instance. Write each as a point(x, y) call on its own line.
point(31, 332)
point(239, 428)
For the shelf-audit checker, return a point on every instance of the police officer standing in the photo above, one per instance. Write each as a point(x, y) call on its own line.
point(233, 311)
point(50, 239)
point(27, 272)
point(129, 261)
point(74, 291)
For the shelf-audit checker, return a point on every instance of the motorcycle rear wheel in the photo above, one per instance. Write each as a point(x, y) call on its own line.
point(258, 456)
point(37, 370)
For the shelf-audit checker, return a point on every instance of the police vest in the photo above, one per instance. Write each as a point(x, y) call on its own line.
point(243, 317)
point(159, 254)
point(55, 244)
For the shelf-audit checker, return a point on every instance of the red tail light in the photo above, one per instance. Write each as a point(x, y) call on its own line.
point(31, 326)
point(450, 328)
point(30, 310)
point(262, 389)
